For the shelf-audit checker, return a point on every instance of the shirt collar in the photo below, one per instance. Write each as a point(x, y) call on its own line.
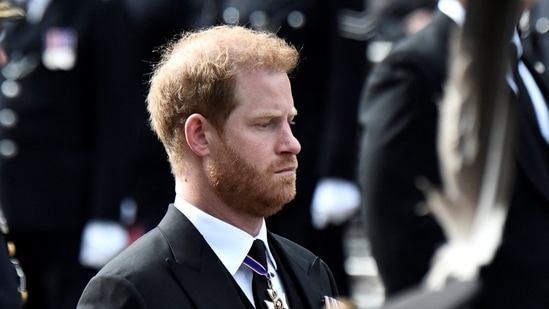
point(516, 40)
point(230, 244)
point(452, 9)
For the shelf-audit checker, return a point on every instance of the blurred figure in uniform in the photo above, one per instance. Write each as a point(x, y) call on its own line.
point(534, 26)
point(12, 289)
point(393, 20)
point(64, 119)
point(330, 36)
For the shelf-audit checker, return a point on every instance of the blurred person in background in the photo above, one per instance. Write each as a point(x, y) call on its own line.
point(64, 114)
point(11, 289)
point(399, 117)
point(393, 20)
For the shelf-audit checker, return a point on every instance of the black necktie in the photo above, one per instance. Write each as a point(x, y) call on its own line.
point(259, 282)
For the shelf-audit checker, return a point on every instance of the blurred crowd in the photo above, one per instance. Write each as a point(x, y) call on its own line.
point(82, 175)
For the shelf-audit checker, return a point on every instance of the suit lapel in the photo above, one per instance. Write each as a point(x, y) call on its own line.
point(201, 275)
point(301, 291)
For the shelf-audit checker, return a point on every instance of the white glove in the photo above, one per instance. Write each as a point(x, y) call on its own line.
point(335, 201)
point(101, 241)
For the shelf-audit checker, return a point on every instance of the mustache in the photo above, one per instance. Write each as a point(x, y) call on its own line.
point(288, 163)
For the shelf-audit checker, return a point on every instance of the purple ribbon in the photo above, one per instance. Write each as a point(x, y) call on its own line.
point(256, 267)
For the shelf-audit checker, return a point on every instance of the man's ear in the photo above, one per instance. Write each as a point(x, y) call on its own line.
point(197, 130)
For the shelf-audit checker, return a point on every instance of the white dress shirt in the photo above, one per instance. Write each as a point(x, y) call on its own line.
point(231, 245)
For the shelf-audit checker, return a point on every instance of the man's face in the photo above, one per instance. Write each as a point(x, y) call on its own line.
point(253, 169)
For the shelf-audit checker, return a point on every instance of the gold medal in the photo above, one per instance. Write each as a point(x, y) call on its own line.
point(276, 302)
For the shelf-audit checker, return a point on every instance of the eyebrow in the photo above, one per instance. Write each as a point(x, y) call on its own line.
point(274, 113)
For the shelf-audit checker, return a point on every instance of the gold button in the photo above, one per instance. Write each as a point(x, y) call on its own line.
point(24, 296)
point(11, 249)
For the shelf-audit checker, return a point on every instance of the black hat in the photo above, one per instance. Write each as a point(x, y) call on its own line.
point(7, 11)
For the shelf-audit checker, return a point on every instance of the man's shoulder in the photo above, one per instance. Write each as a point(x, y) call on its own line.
point(144, 254)
point(430, 41)
point(298, 255)
point(291, 247)
point(306, 265)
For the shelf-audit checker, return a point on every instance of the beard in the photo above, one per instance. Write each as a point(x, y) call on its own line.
point(244, 187)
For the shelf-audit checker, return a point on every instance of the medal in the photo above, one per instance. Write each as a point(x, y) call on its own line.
point(276, 302)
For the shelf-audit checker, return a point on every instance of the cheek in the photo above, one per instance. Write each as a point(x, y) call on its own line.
point(246, 147)
point(256, 154)
point(247, 143)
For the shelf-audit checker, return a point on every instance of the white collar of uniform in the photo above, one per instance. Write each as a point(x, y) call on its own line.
point(230, 244)
point(516, 40)
point(452, 9)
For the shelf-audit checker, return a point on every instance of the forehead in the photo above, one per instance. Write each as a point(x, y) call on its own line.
point(264, 89)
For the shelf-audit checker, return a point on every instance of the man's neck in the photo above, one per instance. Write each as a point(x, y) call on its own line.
point(208, 202)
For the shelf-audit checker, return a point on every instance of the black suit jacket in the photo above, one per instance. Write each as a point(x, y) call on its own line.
point(398, 115)
point(399, 118)
point(173, 267)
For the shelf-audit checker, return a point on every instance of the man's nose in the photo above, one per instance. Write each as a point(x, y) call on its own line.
point(289, 142)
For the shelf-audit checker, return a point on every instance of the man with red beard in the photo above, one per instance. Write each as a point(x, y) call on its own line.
point(220, 101)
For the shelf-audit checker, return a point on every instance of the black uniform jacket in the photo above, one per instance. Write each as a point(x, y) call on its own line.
point(69, 111)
